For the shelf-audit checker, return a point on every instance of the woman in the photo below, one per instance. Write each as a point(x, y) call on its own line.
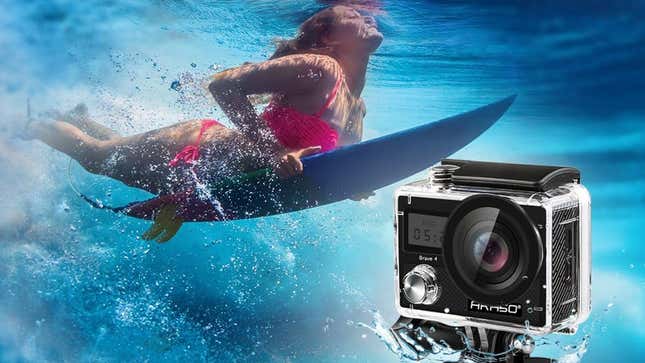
point(315, 81)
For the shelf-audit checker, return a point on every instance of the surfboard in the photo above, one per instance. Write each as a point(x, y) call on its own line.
point(331, 176)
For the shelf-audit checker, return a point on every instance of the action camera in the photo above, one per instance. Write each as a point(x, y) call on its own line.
point(495, 245)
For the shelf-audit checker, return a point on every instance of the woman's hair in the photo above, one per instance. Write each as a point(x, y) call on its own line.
point(310, 36)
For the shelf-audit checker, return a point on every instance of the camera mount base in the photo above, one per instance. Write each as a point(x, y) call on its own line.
point(477, 344)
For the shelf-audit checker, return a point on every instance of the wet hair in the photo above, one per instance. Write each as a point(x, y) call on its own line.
point(310, 36)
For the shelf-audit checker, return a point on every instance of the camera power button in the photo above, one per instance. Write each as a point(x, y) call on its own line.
point(420, 286)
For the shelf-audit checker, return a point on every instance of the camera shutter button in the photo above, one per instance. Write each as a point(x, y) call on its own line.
point(420, 286)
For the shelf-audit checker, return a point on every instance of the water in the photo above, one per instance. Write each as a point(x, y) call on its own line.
point(78, 284)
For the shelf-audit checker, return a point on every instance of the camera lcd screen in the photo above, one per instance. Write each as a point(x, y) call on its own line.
point(426, 230)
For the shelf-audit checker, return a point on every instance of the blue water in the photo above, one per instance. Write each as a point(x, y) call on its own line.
point(76, 284)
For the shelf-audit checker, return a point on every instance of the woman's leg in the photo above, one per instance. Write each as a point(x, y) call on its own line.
point(79, 117)
point(140, 160)
point(70, 140)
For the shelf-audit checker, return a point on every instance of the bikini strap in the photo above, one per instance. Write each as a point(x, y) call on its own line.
point(190, 153)
point(332, 96)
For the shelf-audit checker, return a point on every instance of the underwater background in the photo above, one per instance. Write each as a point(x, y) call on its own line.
point(77, 284)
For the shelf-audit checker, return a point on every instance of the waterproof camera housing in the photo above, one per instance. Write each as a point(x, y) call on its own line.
point(495, 245)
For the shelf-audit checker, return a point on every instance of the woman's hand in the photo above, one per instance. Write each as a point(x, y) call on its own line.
point(290, 165)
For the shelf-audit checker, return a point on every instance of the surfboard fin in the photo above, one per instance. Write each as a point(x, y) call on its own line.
point(165, 226)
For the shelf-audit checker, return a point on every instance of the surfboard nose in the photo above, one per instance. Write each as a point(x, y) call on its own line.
point(505, 103)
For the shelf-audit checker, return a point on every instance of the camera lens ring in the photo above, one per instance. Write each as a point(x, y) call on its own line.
point(523, 240)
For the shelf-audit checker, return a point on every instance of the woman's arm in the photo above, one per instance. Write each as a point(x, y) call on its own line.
point(353, 129)
point(301, 73)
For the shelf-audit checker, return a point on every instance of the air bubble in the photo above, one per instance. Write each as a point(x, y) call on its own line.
point(446, 310)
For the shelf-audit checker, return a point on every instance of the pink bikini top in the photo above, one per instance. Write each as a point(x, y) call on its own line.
point(297, 130)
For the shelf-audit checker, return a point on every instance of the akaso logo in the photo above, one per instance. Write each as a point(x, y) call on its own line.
point(508, 309)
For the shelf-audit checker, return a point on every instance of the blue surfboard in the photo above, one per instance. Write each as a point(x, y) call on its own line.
point(335, 175)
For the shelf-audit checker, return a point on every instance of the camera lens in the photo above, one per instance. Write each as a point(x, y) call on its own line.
point(488, 252)
point(492, 249)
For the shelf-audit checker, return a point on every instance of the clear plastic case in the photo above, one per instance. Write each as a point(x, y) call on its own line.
point(567, 212)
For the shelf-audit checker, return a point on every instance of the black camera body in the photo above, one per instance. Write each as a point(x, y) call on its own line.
point(494, 245)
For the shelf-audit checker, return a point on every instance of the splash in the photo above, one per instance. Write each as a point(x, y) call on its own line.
point(205, 193)
point(409, 348)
